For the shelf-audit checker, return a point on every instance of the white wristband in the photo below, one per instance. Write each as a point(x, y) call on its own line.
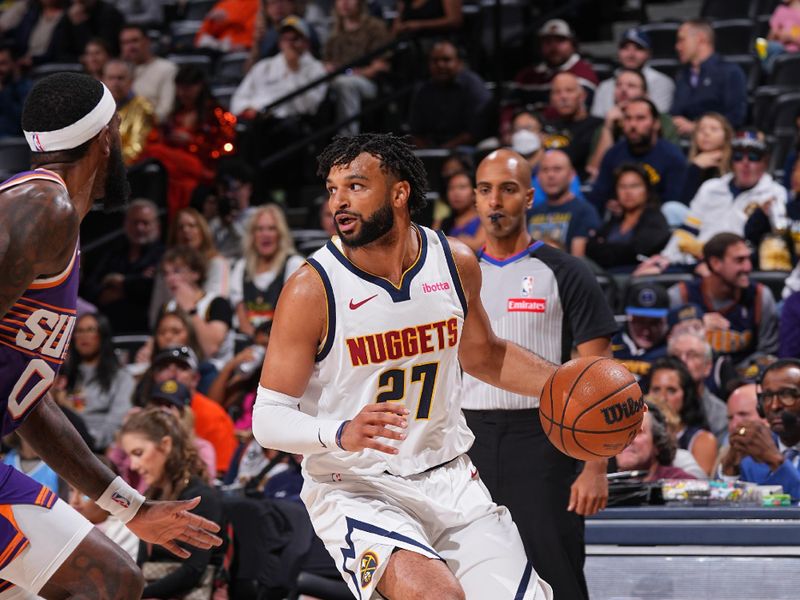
point(121, 500)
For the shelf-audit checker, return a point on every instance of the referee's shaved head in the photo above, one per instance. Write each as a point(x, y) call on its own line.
point(514, 162)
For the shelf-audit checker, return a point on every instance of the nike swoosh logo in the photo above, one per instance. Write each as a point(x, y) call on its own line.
point(355, 305)
point(474, 474)
point(319, 437)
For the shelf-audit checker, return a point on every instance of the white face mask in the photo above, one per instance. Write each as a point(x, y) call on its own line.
point(525, 142)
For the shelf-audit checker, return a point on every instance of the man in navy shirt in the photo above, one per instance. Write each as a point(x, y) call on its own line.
point(564, 221)
point(706, 82)
point(664, 162)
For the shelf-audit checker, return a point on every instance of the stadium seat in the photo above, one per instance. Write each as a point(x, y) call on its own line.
point(223, 94)
point(433, 158)
point(196, 10)
point(15, 156)
point(727, 9)
point(604, 70)
point(774, 280)
point(126, 346)
point(765, 7)
point(763, 101)
point(733, 36)
point(50, 68)
point(785, 112)
point(762, 25)
point(668, 66)
point(751, 67)
point(321, 587)
point(230, 68)
point(782, 143)
point(786, 70)
point(182, 34)
point(665, 279)
point(662, 38)
point(199, 60)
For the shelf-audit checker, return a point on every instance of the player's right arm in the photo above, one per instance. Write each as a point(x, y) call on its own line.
point(299, 328)
point(38, 231)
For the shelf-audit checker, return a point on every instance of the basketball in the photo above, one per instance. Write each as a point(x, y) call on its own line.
point(591, 408)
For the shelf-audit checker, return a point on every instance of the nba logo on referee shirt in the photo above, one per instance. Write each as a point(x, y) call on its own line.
point(527, 286)
point(367, 567)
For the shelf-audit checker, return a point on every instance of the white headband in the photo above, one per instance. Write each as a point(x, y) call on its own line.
point(74, 135)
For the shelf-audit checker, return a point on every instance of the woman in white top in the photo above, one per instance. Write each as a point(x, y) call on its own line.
point(268, 259)
point(189, 228)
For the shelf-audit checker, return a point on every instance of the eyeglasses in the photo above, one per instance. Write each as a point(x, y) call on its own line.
point(751, 156)
point(788, 396)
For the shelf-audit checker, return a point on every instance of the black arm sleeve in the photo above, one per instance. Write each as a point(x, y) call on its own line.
point(220, 310)
point(190, 573)
point(587, 315)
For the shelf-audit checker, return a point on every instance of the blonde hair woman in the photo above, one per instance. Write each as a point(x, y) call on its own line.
point(709, 155)
point(269, 258)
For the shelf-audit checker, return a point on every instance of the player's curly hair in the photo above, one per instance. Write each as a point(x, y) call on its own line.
point(183, 462)
point(395, 153)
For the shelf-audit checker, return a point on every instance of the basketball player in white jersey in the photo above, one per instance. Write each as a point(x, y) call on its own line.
point(363, 377)
point(547, 301)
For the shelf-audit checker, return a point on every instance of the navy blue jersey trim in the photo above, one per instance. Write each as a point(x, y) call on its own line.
point(523, 585)
point(454, 274)
point(329, 300)
point(511, 259)
point(350, 551)
point(399, 293)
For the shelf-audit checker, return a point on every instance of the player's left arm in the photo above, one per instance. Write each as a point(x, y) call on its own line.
point(56, 441)
point(482, 354)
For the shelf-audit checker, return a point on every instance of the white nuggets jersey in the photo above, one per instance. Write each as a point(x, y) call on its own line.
point(391, 344)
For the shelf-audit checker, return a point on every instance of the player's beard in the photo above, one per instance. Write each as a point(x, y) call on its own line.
point(117, 188)
point(372, 229)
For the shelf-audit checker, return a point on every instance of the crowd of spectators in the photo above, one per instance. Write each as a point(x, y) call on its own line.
point(663, 186)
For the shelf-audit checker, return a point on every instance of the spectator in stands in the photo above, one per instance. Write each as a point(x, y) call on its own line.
point(41, 34)
point(269, 259)
point(211, 422)
point(639, 230)
point(98, 388)
point(137, 12)
point(632, 54)
point(741, 318)
point(755, 455)
point(707, 82)
point(190, 142)
point(742, 406)
point(111, 526)
point(564, 221)
point(190, 229)
point(789, 340)
point(135, 112)
point(784, 32)
point(628, 85)
point(652, 450)
point(355, 34)
point(153, 76)
point(14, 88)
point(172, 328)
point(174, 397)
point(670, 380)
point(463, 222)
point(560, 53)
point(644, 338)
point(161, 451)
point(228, 26)
point(122, 281)
point(568, 125)
point(725, 203)
point(184, 272)
point(234, 189)
point(266, 33)
point(663, 161)
point(95, 56)
point(709, 155)
point(428, 16)
point(447, 110)
point(93, 18)
point(698, 356)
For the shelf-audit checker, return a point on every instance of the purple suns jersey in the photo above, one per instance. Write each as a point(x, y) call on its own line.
point(35, 332)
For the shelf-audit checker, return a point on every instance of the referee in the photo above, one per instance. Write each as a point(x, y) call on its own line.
point(546, 301)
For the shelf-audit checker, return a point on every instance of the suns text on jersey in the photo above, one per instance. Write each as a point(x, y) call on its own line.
point(377, 348)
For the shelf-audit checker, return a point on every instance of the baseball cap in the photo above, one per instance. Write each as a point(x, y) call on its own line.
point(172, 392)
point(686, 312)
point(297, 24)
point(525, 142)
point(556, 28)
point(647, 299)
point(178, 354)
point(749, 139)
point(637, 36)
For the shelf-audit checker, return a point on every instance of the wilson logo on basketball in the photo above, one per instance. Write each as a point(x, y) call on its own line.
point(622, 410)
point(534, 305)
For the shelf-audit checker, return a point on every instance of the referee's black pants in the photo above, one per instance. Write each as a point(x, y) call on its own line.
point(525, 473)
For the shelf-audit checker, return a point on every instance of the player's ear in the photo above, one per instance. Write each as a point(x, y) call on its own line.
point(401, 192)
point(529, 198)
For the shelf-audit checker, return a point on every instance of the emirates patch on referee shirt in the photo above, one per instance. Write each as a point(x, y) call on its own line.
point(534, 305)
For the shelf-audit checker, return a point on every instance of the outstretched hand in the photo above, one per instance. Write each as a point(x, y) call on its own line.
point(166, 523)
